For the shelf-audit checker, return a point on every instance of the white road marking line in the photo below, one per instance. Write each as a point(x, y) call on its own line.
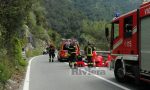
point(26, 81)
point(111, 82)
point(104, 79)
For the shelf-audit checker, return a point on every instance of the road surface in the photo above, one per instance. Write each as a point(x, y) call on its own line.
point(58, 76)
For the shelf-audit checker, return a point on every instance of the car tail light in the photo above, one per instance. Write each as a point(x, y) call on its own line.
point(64, 52)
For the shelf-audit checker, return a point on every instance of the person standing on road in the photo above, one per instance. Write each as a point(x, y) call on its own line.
point(51, 51)
point(72, 54)
point(89, 53)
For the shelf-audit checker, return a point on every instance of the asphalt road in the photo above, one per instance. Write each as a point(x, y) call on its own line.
point(58, 76)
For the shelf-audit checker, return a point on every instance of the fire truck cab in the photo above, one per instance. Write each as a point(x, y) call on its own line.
point(130, 44)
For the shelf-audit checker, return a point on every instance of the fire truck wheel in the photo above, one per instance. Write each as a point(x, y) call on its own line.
point(119, 72)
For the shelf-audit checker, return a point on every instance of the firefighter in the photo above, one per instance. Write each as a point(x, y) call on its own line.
point(51, 51)
point(89, 53)
point(72, 54)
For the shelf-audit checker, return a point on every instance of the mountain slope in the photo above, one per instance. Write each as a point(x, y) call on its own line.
point(105, 9)
point(85, 19)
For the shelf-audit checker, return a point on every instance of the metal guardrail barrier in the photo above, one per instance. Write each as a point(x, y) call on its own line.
point(98, 52)
point(103, 51)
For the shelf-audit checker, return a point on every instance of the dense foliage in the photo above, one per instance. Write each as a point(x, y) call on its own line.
point(104, 9)
point(22, 23)
point(85, 19)
point(32, 24)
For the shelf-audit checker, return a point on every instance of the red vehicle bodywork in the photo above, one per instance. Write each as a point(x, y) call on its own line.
point(63, 52)
point(125, 45)
point(126, 51)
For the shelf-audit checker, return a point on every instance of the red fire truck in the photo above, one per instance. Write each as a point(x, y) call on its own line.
point(130, 44)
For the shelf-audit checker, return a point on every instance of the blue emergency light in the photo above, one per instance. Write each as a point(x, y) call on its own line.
point(117, 14)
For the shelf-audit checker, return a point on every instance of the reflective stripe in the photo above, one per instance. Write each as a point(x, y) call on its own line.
point(90, 50)
point(118, 44)
point(89, 54)
point(126, 57)
point(134, 30)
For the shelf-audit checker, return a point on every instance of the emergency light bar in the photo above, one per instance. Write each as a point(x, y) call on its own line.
point(117, 14)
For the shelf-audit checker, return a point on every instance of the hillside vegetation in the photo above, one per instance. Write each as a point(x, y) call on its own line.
point(30, 25)
point(85, 19)
point(23, 26)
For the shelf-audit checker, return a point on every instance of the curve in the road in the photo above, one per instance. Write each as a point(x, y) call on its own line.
point(26, 81)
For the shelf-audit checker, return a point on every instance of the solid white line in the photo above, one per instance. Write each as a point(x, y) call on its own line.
point(104, 79)
point(26, 81)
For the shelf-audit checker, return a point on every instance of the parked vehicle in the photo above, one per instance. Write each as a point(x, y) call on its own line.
point(45, 52)
point(130, 40)
point(63, 51)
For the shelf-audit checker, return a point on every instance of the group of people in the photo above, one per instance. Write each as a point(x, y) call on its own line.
point(74, 57)
point(72, 53)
